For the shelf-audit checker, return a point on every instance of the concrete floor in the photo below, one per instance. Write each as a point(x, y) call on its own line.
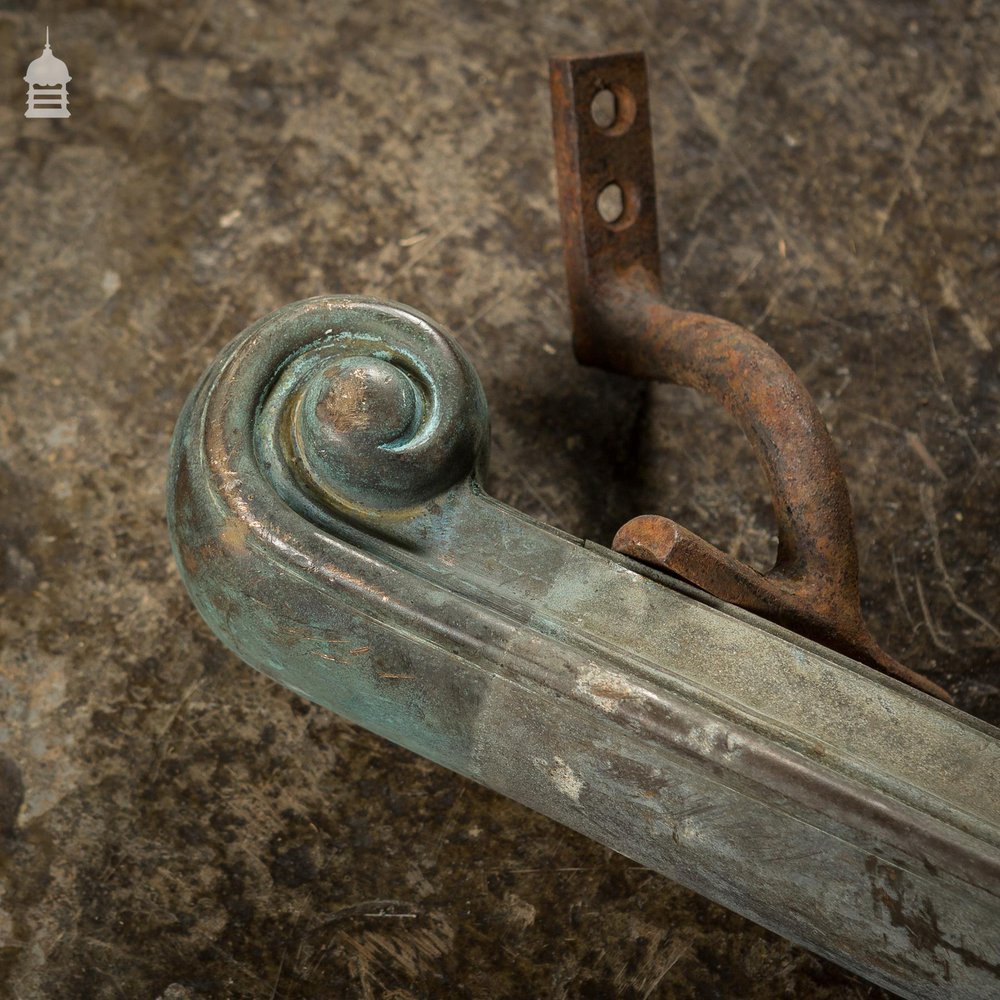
point(173, 825)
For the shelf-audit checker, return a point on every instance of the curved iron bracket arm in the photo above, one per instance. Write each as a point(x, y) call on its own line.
point(622, 324)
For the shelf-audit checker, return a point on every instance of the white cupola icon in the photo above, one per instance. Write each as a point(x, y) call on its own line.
point(47, 78)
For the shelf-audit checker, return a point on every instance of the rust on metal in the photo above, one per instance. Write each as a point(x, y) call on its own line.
point(622, 324)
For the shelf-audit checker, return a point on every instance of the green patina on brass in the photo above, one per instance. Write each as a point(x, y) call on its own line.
point(328, 520)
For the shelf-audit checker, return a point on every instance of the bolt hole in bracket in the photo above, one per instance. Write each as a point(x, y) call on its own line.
point(607, 198)
point(328, 518)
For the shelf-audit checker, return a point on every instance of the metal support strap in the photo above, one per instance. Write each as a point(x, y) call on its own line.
point(621, 323)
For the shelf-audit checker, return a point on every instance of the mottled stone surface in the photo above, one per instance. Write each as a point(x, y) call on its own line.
point(175, 826)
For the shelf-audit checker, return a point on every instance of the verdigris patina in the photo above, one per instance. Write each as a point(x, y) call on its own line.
point(328, 519)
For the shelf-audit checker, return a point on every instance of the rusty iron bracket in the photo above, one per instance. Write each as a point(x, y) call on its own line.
point(607, 200)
